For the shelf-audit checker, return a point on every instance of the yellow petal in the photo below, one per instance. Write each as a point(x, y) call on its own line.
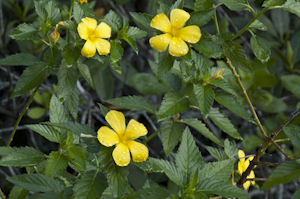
point(246, 185)
point(89, 49)
point(83, 31)
point(135, 129)
point(240, 167)
point(116, 120)
point(103, 31)
point(251, 175)
point(90, 23)
point(190, 34)
point(138, 151)
point(102, 45)
point(160, 42)
point(161, 22)
point(107, 137)
point(121, 155)
point(179, 17)
point(178, 47)
point(241, 154)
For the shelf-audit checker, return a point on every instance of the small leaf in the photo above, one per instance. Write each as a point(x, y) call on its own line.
point(40, 10)
point(18, 192)
point(19, 59)
point(258, 25)
point(138, 103)
point(261, 48)
point(216, 153)
point(56, 162)
point(58, 114)
point(73, 102)
point(292, 6)
point(135, 33)
point(291, 83)
point(77, 12)
point(74, 127)
point(85, 72)
point(172, 104)
point(116, 52)
point(113, 20)
point(203, 4)
point(24, 31)
point(218, 82)
point(77, 154)
point(53, 57)
point(294, 134)
point(171, 132)
point(165, 63)
point(53, 12)
point(71, 25)
point(71, 54)
point(205, 97)
point(142, 18)
point(201, 128)
point(36, 112)
point(236, 5)
point(271, 3)
point(230, 149)
point(209, 48)
point(220, 170)
point(200, 18)
point(48, 132)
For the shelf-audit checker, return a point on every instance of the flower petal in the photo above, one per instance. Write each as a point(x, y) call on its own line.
point(251, 175)
point(135, 129)
point(90, 23)
point(103, 31)
point(121, 155)
point(161, 22)
point(160, 42)
point(107, 137)
point(83, 31)
point(89, 49)
point(116, 120)
point(178, 47)
point(246, 185)
point(102, 45)
point(138, 151)
point(178, 18)
point(190, 34)
point(241, 154)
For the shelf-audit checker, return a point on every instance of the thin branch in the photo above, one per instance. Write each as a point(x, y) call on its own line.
point(267, 163)
point(282, 151)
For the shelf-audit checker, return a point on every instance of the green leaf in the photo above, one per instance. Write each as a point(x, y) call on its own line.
point(284, 173)
point(85, 72)
point(56, 162)
point(71, 25)
point(77, 154)
point(271, 3)
point(236, 5)
point(236, 55)
point(48, 132)
point(113, 20)
point(165, 63)
point(58, 114)
point(188, 156)
point(261, 48)
point(216, 153)
point(90, 185)
point(209, 48)
point(292, 6)
point(36, 112)
point(31, 77)
point(135, 33)
point(152, 192)
point(171, 132)
point(19, 59)
point(233, 105)
point(172, 104)
point(137, 103)
point(40, 10)
point(116, 52)
point(219, 170)
point(142, 18)
point(53, 57)
point(200, 62)
point(201, 128)
point(294, 134)
point(218, 187)
point(117, 179)
point(47, 195)
point(73, 102)
point(53, 13)
point(18, 193)
point(67, 77)
point(258, 25)
point(178, 4)
point(291, 83)
point(200, 18)
point(263, 79)
point(205, 96)
point(103, 109)
point(252, 142)
point(218, 82)
point(104, 84)
point(230, 149)
point(203, 4)
point(297, 193)
point(87, 10)
point(74, 127)
point(22, 157)
point(170, 169)
point(36, 183)
point(77, 12)
point(223, 123)
point(147, 84)
point(24, 31)
point(71, 54)
point(7, 150)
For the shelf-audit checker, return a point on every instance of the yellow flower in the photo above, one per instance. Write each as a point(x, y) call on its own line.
point(242, 167)
point(175, 36)
point(82, 1)
point(123, 138)
point(93, 34)
point(55, 34)
point(218, 74)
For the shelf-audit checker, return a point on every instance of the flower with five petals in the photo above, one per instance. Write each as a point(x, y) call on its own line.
point(123, 137)
point(242, 167)
point(175, 35)
point(93, 34)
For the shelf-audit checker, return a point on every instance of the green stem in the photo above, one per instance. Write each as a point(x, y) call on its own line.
point(282, 151)
point(151, 136)
point(256, 179)
point(70, 17)
point(267, 164)
point(282, 140)
point(2, 194)
point(216, 21)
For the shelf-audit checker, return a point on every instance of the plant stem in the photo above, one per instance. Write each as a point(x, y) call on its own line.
point(2, 194)
point(70, 17)
point(267, 163)
point(282, 140)
point(216, 21)
point(246, 96)
point(151, 136)
point(282, 151)
point(256, 179)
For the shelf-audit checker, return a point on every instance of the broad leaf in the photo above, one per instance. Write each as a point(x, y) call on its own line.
point(48, 132)
point(135, 33)
point(263, 79)
point(291, 83)
point(73, 103)
point(85, 72)
point(71, 25)
point(19, 59)
point(77, 154)
point(24, 31)
point(58, 114)
point(71, 54)
point(292, 6)
point(55, 163)
point(271, 3)
point(294, 134)
point(165, 63)
point(209, 48)
point(116, 52)
point(205, 96)
point(216, 153)
point(218, 82)
point(202, 17)
point(258, 25)
point(171, 132)
point(113, 20)
point(203, 4)
point(74, 127)
point(261, 48)
point(18, 192)
point(53, 12)
point(236, 5)
point(143, 19)
point(230, 149)
point(77, 12)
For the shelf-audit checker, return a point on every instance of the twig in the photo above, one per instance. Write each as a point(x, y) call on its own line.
point(282, 151)
point(256, 179)
point(2, 194)
point(267, 163)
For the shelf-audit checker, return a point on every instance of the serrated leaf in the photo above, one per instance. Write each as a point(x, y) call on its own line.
point(203, 4)
point(113, 20)
point(172, 104)
point(78, 155)
point(36, 183)
point(90, 185)
point(292, 6)
point(67, 77)
point(56, 162)
point(294, 134)
point(188, 156)
point(19, 59)
point(104, 84)
point(284, 173)
point(71, 54)
point(53, 12)
point(137, 103)
point(85, 72)
point(201, 128)
point(236, 55)
point(73, 102)
point(7, 150)
point(230, 149)
point(291, 83)
point(261, 48)
point(22, 157)
point(142, 18)
point(47, 195)
point(177, 4)
point(53, 57)
point(48, 132)
point(218, 82)
point(135, 33)
point(200, 18)
point(218, 187)
point(258, 25)
point(24, 31)
point(165, 63)
point(58, 114)
point(40, 10)
point(71, 25)
point(103, 109)
point(74, 127)
point(220, 170)
point(18, 193)
point(209, 48)
point(271, 3)
point(233, 105)
point(87, 10)
point(31, 77)
point(171, 132)
point(77, 12)
point(216, 153)
point(236, 5)
point(205, 97)
point(116, 52)
point(170, 169)
point(117, 179)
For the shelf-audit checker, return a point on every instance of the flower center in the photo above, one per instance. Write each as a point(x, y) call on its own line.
point(174, 31)
point(123, 138)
